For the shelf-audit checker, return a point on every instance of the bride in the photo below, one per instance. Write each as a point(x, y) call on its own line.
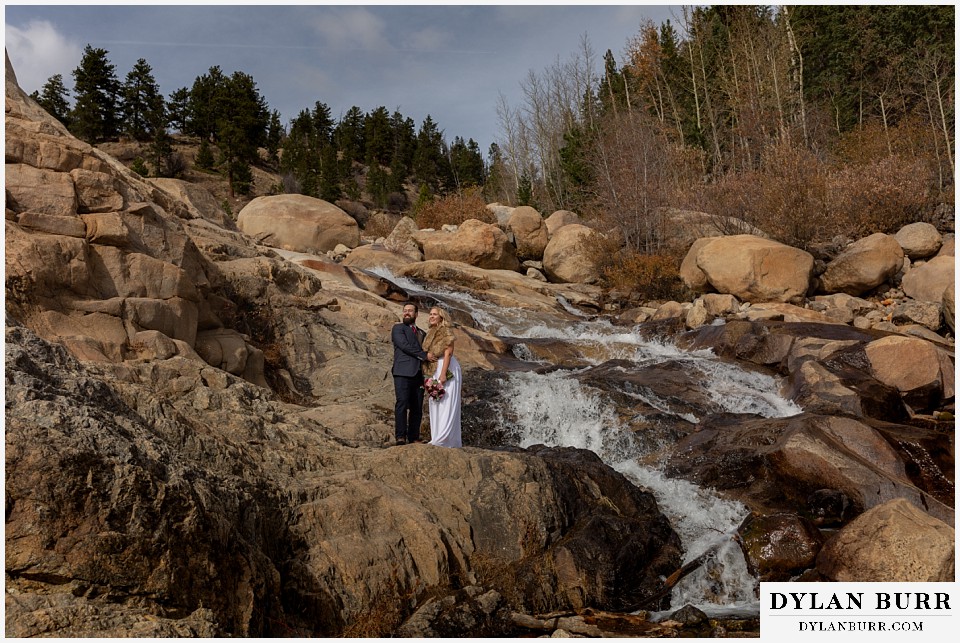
point(445, 410)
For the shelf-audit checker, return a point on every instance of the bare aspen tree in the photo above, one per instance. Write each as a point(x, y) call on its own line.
point(797, 71)
point(552, 106)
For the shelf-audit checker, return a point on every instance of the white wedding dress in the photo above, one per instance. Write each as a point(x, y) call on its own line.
point(445, 412)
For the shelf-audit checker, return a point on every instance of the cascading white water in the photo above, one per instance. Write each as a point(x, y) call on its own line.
point(556, 409)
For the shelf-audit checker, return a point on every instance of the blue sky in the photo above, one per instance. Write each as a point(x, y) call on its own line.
point(449, 61)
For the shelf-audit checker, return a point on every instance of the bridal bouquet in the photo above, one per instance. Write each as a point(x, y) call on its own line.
point(434, 388)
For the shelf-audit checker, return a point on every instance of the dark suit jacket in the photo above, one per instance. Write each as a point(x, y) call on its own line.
point(407, 351)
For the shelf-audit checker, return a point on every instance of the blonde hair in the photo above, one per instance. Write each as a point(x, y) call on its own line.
point(444, 320)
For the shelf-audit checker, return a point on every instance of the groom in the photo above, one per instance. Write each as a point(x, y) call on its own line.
point(407, 379)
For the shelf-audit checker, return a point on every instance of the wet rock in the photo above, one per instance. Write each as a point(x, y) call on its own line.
point(779, 546)
point(776, 464)
point(828, 507)
point(690, 616)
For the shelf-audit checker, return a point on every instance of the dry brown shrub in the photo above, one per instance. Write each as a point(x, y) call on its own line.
point(786, 198)
point(454, 209)
point(880, 196)
point(650, 276)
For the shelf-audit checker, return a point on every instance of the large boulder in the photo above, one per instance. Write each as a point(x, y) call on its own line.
point(477, 243)
point(691, 274)
point(894, 542)
point(919, 240)
point(559, 219)
point(927, 281)
point(683, 227)
point(863, 265)
point(401, 240)
point(755, 269)
point(299, 223)
point(529, 232)
point(566, 257)
point(922, 372)
point(501, 212)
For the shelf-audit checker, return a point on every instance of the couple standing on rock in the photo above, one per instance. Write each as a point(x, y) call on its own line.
point(425, 363)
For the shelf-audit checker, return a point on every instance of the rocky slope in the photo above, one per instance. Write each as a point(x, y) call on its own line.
point(195, 433)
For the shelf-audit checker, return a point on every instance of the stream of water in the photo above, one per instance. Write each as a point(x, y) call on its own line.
point(556, 409)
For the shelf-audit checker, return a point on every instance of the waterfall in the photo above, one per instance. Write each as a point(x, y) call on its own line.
point(557, 409)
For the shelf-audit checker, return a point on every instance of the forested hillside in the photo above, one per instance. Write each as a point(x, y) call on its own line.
point(808, 122)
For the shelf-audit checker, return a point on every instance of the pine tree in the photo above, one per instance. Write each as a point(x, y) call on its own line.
point(274, 137)
point(466, 163)
point(142, 104)
point(377, 137)
point(431, 165)
point(53, 98)
point(230, 112)
point(348, 137)
point(178, 109)
point(94, 117)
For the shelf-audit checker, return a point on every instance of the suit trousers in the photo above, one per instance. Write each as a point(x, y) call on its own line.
point(409, 409)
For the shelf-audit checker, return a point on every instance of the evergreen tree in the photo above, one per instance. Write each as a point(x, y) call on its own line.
point(178, 109)
point(349, 137)
point(329, 178)
point(574, 160)
point(301, 158)
point(230, 112)
point(241, 128)
point(323, 125)
point(377, 186)
point(94, 117)
point(466, 163)
point(207, 97)
point(142, 104)
point(205, 158)
point(404, 147)
point(430, 162)
point(525, 190)
point(53, 98)
point(274, 137)
point(377, 137)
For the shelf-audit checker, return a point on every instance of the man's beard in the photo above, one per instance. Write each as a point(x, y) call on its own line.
point(408, 321)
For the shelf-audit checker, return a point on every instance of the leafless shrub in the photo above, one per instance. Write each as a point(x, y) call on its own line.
point(454, 209)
